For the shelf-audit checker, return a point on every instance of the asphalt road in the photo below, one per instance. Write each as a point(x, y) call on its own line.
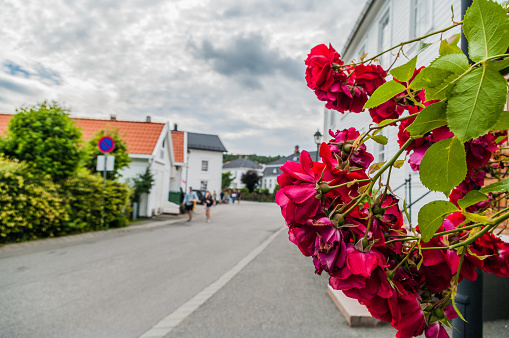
point(119, 284)
point(122, 283)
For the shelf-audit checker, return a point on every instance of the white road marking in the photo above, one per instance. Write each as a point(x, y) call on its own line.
point(167, 324)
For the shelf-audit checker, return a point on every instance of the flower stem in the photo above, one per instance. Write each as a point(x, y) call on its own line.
point(378, 174)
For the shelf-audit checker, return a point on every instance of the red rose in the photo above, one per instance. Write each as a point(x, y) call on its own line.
point(319, 73)
point(370, 77)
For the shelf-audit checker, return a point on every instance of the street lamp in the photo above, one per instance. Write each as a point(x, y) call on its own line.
point(318, 141)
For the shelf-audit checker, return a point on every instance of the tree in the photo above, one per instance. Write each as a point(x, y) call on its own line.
point(250, 178)
point(45, 137)
point(226, 180)
point(120, 152)
point(142, 184)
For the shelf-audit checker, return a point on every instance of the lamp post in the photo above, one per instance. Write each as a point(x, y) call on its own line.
point(318, 141)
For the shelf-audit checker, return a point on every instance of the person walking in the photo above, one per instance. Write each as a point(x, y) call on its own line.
point(189, 199)
point(222, 196)
point(215, 197)
point(209, 202)
point(238, 197)
point(233, 195)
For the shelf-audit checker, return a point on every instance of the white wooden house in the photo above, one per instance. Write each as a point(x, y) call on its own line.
point(381, 25)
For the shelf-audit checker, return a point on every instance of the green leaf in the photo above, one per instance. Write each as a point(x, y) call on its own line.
point(499, 65)
point(380, 139)
point(375, 167)
point(398, 164)
point(476, 102)
point(476, 217)
point(386, 121)
point(429, 78)
point(450, 47)
point(453, 299)
point(444, 165)
point(384, 93)
point(456, 63)
point(486, 27)
point(405, 72)
point(428, 119)
point(422, 46)
point(437, 78)
point(431, 217)
point(503, 122)
point(501, 186)
point(471, 198)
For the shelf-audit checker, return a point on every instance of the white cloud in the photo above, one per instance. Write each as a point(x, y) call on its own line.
point(232, 68)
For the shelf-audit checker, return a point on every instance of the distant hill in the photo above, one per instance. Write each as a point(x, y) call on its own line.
point(254, 158)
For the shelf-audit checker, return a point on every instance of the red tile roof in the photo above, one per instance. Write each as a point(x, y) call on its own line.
point(4, 122)
point(177, 138)
point(141, 137)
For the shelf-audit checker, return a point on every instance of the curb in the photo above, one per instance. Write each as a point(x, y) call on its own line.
point(148, 224)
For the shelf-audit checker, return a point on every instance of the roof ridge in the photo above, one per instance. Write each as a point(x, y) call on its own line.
point(110, 120)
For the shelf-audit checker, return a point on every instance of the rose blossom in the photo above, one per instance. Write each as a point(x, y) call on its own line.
point(319, 73)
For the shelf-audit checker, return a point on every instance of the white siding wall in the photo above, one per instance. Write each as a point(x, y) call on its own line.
point(401, 18)
point(213, 175)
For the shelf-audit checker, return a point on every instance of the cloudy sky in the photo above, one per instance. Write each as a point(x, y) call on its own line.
point(226, 67)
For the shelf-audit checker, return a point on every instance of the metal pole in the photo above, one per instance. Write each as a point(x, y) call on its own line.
point(410, 197)
point(470, 294)
point(104, 192)
point(317, 147)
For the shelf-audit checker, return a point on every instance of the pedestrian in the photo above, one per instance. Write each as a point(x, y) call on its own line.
point(209, 202)
point(233, 195)
point(189, 199)
point(238, 197)
point(222, 196)
point(215, 197)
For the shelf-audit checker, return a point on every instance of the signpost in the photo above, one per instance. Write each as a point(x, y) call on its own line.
point(105, 163)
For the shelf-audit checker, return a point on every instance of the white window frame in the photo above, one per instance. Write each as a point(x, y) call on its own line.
point(384, 42)
point(421, 17)
point(203, 185)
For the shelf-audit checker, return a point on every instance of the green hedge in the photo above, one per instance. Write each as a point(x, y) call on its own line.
point(34, 207)
point(85, 193)
point(30, 207)
point(258, 197)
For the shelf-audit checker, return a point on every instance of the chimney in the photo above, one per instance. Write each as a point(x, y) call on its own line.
point(296, 150)
point(113, 116)
point(175, 127)
point(148, 118)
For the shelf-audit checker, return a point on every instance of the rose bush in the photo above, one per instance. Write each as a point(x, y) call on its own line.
point(451, 123)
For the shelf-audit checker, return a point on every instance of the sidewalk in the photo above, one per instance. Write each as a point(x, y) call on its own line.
point(147, 223)
point(278, 295)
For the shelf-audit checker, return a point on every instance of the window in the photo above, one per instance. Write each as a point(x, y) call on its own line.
point(161, 154)
point(274, 171)
point(421, 14)
point(203, 185)
point(385, 41)
point(204, 165)
point(270, 184)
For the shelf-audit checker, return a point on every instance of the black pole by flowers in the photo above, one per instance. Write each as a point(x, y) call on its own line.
point(470, 294)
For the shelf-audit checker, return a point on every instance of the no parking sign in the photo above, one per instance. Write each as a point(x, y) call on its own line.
point(106, 144)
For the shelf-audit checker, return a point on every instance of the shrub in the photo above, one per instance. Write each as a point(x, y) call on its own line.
point(85, 193)
point(30, 205)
